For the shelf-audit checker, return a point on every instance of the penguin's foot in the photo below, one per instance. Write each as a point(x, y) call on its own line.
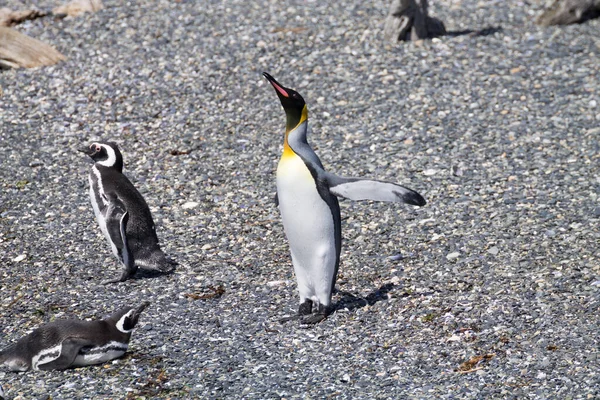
point(306, 316)
point(320, 314)
point(304, 309)
point(127, 273)
point(312, 319)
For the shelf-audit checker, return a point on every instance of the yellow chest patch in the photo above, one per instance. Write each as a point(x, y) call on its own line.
point(291, 167)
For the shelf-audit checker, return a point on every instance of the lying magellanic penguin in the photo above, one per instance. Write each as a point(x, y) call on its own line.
point(122, 213)
point(310, 211)
point(73, 343)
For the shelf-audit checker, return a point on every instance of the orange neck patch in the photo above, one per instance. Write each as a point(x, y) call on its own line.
point(287, 150)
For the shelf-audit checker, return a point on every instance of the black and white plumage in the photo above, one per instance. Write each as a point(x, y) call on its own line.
point(122, 213)
point(73, 343)
point(307, 198)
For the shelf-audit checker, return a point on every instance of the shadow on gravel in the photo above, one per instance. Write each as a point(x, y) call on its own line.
point(351, 302)
point(490, 30)
point(150, 274)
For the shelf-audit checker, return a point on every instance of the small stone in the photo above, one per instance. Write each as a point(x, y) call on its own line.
point(189, 204)
point(453, 256)
point(20, 258)
point(493, 250)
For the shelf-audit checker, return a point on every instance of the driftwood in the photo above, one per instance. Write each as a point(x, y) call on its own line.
point(408, 20)
point(72, 9)
point(78, 7)
point(10, 18)
point(18, 50)
point(564, 12)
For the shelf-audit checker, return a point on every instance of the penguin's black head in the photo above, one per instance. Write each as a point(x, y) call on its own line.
point(292, 102)
point(127, 318)
point(106, 154)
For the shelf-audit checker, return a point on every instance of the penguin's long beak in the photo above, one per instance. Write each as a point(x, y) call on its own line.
point(87, 150)
point(137, 312)
point(140, 308)
point(281, 91)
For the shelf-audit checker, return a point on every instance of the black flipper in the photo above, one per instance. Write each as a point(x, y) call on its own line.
point(119, 237)
point(69, 351)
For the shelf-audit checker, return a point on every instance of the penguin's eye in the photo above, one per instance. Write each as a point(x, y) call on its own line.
point(97, 148)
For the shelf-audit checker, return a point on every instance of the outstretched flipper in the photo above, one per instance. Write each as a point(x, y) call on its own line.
point(368, 189)
point(69, 350)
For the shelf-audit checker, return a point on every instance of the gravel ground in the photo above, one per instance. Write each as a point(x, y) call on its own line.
point(498, 131)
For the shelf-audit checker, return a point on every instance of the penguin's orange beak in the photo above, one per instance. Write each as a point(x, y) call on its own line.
point(280, 89)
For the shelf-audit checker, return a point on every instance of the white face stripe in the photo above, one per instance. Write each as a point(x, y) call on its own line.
point(121, 322)
point(112, 156)
point(45, 356)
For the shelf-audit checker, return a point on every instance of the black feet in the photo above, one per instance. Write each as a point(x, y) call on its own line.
point(304, 309)
point(306, 316)
point(127, 273)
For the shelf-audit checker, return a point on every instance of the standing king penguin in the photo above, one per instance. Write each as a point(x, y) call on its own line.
point(122, 213)
point(73, 343)
point(310, 211)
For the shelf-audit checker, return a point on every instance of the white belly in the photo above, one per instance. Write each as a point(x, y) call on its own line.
point(309, 227)
point(99, 216)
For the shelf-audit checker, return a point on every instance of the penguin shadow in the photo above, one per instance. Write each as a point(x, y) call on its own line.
point(351, 302)
point(143, 273)
point(490, 30)
point(150, 274)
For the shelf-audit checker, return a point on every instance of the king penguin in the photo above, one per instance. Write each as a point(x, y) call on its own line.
point(307, 198)
point(122, 213)
point(73, 343)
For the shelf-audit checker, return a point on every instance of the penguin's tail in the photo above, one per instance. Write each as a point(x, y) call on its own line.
point(4, 355)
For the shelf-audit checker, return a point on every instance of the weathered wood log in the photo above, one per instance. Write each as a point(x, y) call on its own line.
point(564, 12)
point(408, 20)
point(19, 50)
point(10, 18)
point(78, 7)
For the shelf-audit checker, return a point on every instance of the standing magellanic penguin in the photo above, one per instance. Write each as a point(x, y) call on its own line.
point(122, 213)
point(73, 343)
point(310, 211)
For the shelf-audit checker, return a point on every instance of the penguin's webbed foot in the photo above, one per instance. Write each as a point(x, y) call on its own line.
point(312, 319)
point(320, 315)
point(304, 309)
point(306, 316)
point(127, 273)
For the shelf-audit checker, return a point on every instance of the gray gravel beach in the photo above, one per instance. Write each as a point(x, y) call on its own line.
point(492, 290)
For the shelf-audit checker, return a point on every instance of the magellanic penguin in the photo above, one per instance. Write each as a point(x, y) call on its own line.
point(310, 211)
point(73, 343)
point(122, 213)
